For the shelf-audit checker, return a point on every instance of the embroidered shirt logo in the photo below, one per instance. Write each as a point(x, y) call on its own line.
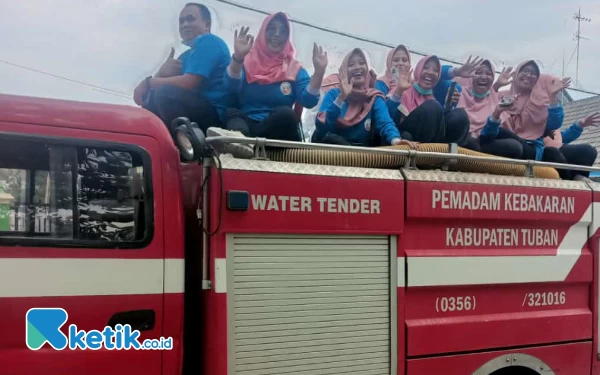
point(286, 88)
point(368, 124)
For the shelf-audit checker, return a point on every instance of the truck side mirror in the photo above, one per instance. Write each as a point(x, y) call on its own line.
point(190, 140)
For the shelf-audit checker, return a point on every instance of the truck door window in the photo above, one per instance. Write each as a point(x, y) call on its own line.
point(84, 195)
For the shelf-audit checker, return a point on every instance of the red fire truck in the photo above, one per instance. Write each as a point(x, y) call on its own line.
point(282, 265)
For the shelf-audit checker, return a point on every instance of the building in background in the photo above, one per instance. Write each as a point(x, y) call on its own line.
point(578, 109)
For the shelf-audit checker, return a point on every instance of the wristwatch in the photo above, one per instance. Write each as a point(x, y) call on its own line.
point(236, 59)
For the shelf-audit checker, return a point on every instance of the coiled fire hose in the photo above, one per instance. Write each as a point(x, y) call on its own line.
point(382, 161)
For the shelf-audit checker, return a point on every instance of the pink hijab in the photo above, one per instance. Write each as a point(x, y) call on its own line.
point(478, 109)
point(411, 98)
point(388, 78)
point(361, 100)
point(264, 67)
point(529, 114)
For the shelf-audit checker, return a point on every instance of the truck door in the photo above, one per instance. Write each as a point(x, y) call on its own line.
point(78, 233)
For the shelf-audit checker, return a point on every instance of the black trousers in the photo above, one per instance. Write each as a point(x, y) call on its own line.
point(557, 155)
point(429, 123)
point(472, 144)
point(281, 124)
point(320, 136)
point(582, 154)
point(170, 102)
point(375, 140)
point(505, 147)
point(568, 154)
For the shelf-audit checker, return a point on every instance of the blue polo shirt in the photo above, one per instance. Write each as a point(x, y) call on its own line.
point(257, 101)
point(209, 57)
point(360, 133)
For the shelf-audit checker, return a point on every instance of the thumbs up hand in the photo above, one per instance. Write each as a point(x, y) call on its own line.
point(171, 67)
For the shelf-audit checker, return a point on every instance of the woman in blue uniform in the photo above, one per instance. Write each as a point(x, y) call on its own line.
point(268, 80)
point(356, 113)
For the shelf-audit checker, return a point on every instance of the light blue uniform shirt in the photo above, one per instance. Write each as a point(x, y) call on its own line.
point(257, 101)
point(378, 118)
point(209, 57)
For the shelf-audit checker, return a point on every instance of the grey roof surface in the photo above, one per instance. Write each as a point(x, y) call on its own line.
point(579, 109)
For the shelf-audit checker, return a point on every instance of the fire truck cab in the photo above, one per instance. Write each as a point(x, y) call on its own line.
point(305, 260)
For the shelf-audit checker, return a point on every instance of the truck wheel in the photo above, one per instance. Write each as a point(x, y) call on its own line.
point(515, 370)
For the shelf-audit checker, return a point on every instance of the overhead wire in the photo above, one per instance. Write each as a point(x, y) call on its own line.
point(103, 89)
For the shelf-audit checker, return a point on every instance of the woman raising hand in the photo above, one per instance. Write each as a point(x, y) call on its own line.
point(356, 113)
point(579, 154)
point(346, 86)
point(268, 81)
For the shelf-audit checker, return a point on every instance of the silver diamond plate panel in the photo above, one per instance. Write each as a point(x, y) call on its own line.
point(595, 186)
point(490, 179)
point(229, 162)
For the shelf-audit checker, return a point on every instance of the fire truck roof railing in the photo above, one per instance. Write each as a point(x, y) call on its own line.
point(454, 155)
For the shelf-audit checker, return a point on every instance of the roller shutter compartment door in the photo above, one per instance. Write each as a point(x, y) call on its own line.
point(310, 305)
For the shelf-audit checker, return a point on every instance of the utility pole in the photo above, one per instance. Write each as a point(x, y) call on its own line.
point(562, 92)
point(578, 38)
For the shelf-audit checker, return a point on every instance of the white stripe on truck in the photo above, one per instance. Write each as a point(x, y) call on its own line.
point(481, 270)
point(48, 277)
point(52, 277)
point(446, 271)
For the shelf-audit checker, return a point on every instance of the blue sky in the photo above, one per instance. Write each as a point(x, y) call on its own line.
point(115, 43)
